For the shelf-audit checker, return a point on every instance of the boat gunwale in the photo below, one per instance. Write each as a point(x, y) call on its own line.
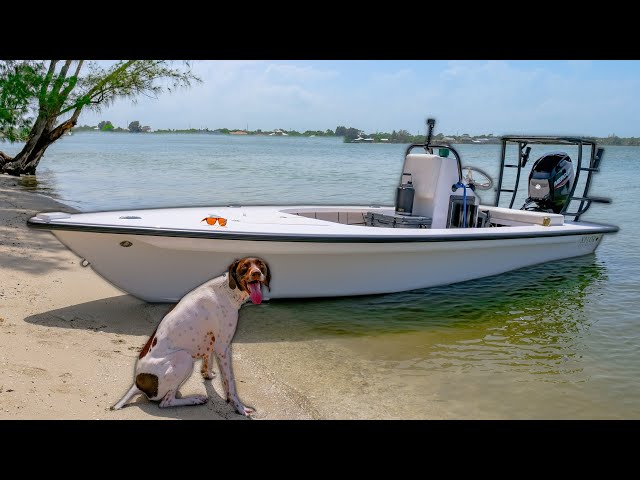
point(557, 231)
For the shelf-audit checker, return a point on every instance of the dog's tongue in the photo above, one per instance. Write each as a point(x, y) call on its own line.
point(255, 293)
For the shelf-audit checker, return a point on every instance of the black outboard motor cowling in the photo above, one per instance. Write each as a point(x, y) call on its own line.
point(550, 183)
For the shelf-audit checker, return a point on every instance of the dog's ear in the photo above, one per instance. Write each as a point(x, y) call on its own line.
point(267, 274)
point(233, 281)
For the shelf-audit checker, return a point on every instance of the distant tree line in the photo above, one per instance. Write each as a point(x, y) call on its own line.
point(107, 126)
point(615, 140)
point(349, 134)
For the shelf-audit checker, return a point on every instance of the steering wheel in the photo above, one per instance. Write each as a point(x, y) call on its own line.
point(485, 184)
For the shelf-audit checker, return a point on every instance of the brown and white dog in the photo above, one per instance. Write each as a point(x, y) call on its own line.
point(201, 325)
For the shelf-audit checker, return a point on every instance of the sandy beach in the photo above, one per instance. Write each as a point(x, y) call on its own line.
point(69, 339)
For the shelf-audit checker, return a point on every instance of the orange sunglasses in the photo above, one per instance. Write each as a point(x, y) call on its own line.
point(212, 221)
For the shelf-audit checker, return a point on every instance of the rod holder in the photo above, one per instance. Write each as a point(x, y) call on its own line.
point(598, 158)
point(525, 156)
point(431, 122)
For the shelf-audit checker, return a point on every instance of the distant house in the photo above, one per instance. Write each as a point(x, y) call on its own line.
point(238, 132)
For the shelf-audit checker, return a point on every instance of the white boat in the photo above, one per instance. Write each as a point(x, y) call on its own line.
point(361, 139)
point(437, 233)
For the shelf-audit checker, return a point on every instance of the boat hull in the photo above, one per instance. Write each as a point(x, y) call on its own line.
point(159, 268)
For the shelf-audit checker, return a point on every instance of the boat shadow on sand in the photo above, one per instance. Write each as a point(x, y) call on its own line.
point(547, 301)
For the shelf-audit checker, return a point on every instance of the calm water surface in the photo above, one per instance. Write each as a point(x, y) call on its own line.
point(559, 340)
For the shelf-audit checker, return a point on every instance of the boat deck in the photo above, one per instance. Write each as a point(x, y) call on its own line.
point(310, 223)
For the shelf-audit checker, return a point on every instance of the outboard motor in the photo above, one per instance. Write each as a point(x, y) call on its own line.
point(550, 183)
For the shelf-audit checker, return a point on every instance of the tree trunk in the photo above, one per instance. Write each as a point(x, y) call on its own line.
point(42, 135)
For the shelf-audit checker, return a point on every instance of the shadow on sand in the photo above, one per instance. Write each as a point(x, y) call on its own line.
point(215, 409)
point(127, 315)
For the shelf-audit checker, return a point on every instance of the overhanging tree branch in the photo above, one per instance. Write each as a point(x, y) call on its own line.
point(47, 80)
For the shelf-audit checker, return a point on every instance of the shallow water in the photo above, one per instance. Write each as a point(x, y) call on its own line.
point(558, 340)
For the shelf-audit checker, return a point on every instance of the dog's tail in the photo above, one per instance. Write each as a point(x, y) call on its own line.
point(133, 391)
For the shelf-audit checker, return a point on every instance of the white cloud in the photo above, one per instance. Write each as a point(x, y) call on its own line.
point(401, 75)
point(298, 73)
point(580, 64)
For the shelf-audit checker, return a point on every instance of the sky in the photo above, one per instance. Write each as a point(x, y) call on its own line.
point(499, 97)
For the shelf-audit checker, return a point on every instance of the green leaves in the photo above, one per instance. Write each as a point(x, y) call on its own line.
point(131, 78)
point(41, 100)
point(19, 83)
point(56, 88)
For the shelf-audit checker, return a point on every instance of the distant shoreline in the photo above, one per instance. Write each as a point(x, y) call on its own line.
point(377, 138)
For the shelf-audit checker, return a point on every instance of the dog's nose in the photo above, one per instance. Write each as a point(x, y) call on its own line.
point(255, 274)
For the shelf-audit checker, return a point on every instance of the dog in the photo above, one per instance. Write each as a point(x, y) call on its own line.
point(201, 325)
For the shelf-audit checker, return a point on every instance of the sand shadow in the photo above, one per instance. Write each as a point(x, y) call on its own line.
point(215, 409)
point(127, 315)
point(28, 250)
point(122, 314)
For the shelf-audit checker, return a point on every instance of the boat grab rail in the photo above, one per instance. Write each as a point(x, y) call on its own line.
point(585, 203)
